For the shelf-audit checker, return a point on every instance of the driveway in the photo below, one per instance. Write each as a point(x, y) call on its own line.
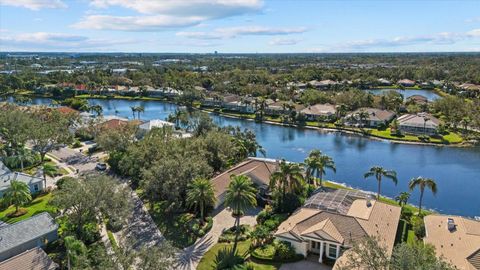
point(222, 219)
point(305, 265)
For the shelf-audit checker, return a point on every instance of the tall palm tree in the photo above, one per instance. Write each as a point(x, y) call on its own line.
point(241, 195)
point(425, 120)
point(402, 198)
point(261, 105)
point(316, 163)
point(341, 110)
point(50, 170)
point(201, 194)
point(140, 109)
point(17, 194)
point(380, 172)
point(288, 178)
point(422, 183)
point(363, 115)
point(134, 110)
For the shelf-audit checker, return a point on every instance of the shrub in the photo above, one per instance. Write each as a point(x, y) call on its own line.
point(226, 259)
point(76, 144)
point(61, 182)
point(284, 251)
point(90, 233)
point(265, 214)
point(418, 227)
point(289, 204)
point(266, 252)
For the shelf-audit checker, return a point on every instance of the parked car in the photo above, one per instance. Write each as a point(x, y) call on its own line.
point(101, 166)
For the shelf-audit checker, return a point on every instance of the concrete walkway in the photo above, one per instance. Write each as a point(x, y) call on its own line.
point(222, 219)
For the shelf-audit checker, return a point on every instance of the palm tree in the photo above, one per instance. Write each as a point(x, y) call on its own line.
point(75, 250)
point(134, 110)
point(466, 121)
point(341, 110)
point(380, 172)
point(17, 194)
point(316, 163)
point(422, 183)
point(200, 194)
point(21, 156)
point(288, 178)
point(402, 198)
point(363, 115)
point(425, 120)
point(241, 195)
point(97, 109)
point(140, 109)
point(261, 105)
point(50, 170)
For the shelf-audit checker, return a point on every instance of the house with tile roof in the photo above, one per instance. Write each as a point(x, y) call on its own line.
point(318, 111)
point(258, 169)
point(33, 259)
point(420, 123)
point(36, 184)
point(30, 233)
point(333, 219)
point(376, 117)
point(456, 239)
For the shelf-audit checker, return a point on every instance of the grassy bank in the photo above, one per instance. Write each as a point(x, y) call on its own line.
point(38, 205)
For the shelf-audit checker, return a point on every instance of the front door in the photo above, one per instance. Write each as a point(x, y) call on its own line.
point(315, 247)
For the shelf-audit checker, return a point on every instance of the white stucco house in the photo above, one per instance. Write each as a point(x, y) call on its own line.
point(35, 184)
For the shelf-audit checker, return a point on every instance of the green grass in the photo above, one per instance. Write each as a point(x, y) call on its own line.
point(112, 240)
point(449, 138)
point(207, 262)
point(265, 252)
point(411, 238)
point(39, 205)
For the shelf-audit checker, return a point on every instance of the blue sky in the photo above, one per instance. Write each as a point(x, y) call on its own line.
point(246, 26)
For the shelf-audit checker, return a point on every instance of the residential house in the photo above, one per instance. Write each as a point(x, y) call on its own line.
point(455, 238)
point(258, 169)
point(282, 107)
point(417, 99)
point(333, 219)
point(27, 234)
point(406, 83)
point(33, 259)
point(322, 85)
point(157, 123)
point(35, 184)
point(376, 117)
point(420, 123)
point(384, 82)
point(319, 111)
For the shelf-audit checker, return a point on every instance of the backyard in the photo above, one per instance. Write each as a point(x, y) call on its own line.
point(38, 205)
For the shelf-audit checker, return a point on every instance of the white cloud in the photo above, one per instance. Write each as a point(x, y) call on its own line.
point(473, 20)
point(166, 14)
point(233, 32)
point(55, 41)
point(444, 38)
point(135, 23)
point(34, 4)
point(283, 41)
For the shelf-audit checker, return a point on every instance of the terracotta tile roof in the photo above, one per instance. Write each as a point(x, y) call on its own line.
point(33, 259)
point(259, 170)
point(459, 246)
point(376, 219)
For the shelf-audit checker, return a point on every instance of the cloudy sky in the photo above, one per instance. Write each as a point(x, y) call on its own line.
point(247, 26)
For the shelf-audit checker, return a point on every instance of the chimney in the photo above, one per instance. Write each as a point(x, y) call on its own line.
point(451, 224)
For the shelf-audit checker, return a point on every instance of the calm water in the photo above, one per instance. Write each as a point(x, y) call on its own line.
point(456, 170)
point(429, 94)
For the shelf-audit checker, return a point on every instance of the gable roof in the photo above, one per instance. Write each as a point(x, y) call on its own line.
point(460, 246)
point(375, 114)
point(26, 230)
point(33, 259)
point(7, 176)
point(258, 169)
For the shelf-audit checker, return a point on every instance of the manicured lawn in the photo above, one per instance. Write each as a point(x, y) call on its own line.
point(207, 262)
point(450, 138)
point(411, 238)
point(37, 206)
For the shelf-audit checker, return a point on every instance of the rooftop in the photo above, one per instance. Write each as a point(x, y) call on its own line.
point(458, 241)
point(26, 230)
point(320, 109)
point(33, 259)
point(6, 176)
point(155, 123)
point(418, 120)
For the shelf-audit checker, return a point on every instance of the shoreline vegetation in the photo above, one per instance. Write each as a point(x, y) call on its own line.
point(451, 139)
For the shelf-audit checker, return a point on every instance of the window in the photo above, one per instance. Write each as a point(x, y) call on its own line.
point(35, 187)
point(332, 251)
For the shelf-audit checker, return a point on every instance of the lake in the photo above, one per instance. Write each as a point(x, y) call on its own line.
point(456, 170)
point(429, 94)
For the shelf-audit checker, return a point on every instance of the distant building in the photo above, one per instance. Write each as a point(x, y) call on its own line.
point(384, 82)
point(27, 234)
point(406, 83)
point(318, 111)
point(455, 238)
point(421, 123)
point(417, 99)
point(376, 117)
point(333, 219)
point(33, 259)
point(35, 184)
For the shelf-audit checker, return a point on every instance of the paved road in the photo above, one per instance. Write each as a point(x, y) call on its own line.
point(141, 230)
point(222, 219)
